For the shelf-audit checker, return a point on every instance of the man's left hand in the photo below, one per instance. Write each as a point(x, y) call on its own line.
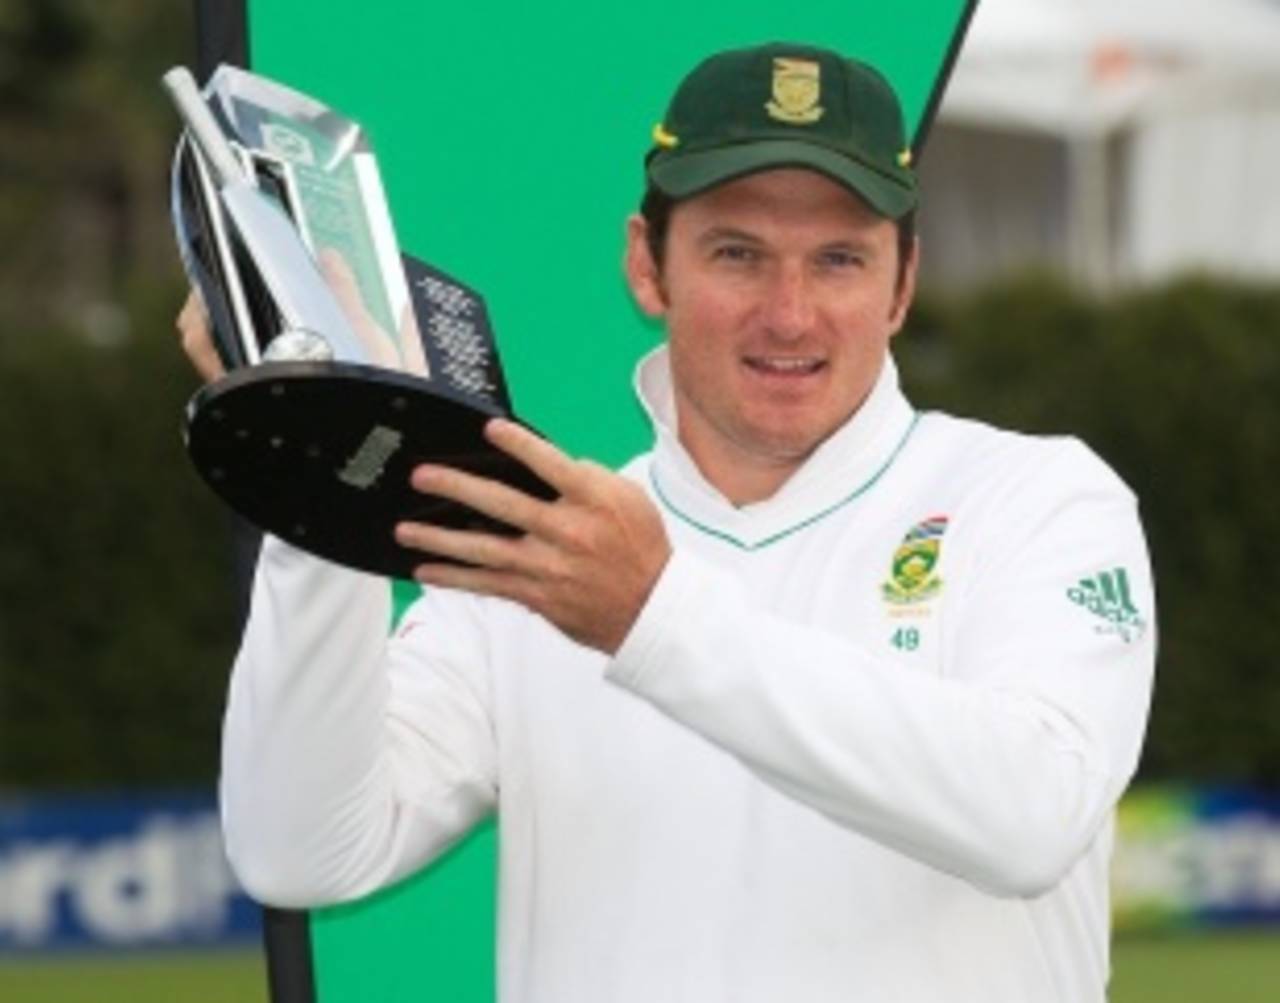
point(586, 562)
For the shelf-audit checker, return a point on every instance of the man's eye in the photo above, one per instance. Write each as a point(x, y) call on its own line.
point(840, 259)
point(736, 252)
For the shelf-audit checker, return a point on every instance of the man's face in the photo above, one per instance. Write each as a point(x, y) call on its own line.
point(780, 292)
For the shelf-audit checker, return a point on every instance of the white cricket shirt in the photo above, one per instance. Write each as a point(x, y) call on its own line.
point(864, 742)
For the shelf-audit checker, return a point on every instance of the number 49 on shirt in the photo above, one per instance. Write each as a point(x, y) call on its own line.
point(906, 638)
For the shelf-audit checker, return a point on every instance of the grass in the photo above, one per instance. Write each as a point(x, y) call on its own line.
point(214, 976)
point(1185, 968)
point(1226, 967)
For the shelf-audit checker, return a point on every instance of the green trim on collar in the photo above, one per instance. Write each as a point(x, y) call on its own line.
point(770, 540)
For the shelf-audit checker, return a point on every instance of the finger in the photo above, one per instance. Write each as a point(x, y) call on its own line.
point(197, 337)
point(193, 312)
point(489, 497)
point(479, 549)
point(481, 581)
point(545, 459)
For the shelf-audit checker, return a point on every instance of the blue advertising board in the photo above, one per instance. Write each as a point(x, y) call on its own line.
point(1196, 857)
point(150, 871)
point(117, 871)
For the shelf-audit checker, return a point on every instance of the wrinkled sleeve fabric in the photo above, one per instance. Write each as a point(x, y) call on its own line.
point(999, 770)
point(350, 759)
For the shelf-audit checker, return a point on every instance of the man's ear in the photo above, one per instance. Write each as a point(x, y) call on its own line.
point(642, 273)
point(906, 290)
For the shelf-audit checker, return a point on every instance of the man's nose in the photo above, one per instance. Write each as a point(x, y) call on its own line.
point(790, 309)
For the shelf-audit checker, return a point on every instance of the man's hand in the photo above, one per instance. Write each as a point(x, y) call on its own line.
point(586, 562)
point(197, 338)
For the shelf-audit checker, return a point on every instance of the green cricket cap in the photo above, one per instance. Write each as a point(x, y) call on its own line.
point(781, 105)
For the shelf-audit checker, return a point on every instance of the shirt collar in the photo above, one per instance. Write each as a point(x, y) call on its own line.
point(846, 464)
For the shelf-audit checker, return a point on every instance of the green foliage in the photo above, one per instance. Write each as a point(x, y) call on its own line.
point(1177, 389)
point(116, 591)
point(85, 140)
point(41, 41)
point(115, 583)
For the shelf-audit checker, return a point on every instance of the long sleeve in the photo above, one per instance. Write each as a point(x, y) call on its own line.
point(347, 761)
point(1001, 768)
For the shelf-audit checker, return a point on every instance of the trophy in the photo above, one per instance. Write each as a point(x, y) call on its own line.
point(347, 362)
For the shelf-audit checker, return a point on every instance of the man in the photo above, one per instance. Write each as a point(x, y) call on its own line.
point(822, 699)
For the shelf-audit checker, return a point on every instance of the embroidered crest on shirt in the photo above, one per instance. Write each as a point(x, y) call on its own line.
point(1106, 595)
point(912, 572)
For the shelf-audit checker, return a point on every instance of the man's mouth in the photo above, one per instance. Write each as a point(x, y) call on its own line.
point(784, 365)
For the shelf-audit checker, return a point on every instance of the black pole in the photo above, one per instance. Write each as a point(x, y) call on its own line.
point(222, 36)
point(286, 936)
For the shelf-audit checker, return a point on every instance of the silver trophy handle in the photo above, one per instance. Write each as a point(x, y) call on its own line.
point(206, 132)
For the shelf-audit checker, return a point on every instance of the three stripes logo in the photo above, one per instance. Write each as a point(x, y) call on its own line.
point(1106, 595)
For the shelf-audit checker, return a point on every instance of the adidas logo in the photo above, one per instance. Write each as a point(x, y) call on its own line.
point(1107, 595)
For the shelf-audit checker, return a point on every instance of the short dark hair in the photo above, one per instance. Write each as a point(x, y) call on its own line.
point(656, 208)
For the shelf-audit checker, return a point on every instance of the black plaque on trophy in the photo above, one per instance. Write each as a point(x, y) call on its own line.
point(348, 363)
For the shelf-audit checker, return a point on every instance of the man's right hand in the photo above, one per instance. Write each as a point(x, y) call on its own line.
point(197, 338)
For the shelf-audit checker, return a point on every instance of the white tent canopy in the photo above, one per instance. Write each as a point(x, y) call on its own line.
point(1163, 125)
point(1069, 66)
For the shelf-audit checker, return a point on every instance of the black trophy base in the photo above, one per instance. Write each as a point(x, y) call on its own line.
point(320, 453)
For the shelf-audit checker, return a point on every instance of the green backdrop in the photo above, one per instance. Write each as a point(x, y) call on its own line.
point(510, 138)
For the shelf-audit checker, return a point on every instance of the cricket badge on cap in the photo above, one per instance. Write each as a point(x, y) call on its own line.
point(912, 572)
point(796, 91)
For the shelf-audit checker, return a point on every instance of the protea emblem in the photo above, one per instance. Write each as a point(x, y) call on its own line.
point(912, 578)
point(796, 90)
